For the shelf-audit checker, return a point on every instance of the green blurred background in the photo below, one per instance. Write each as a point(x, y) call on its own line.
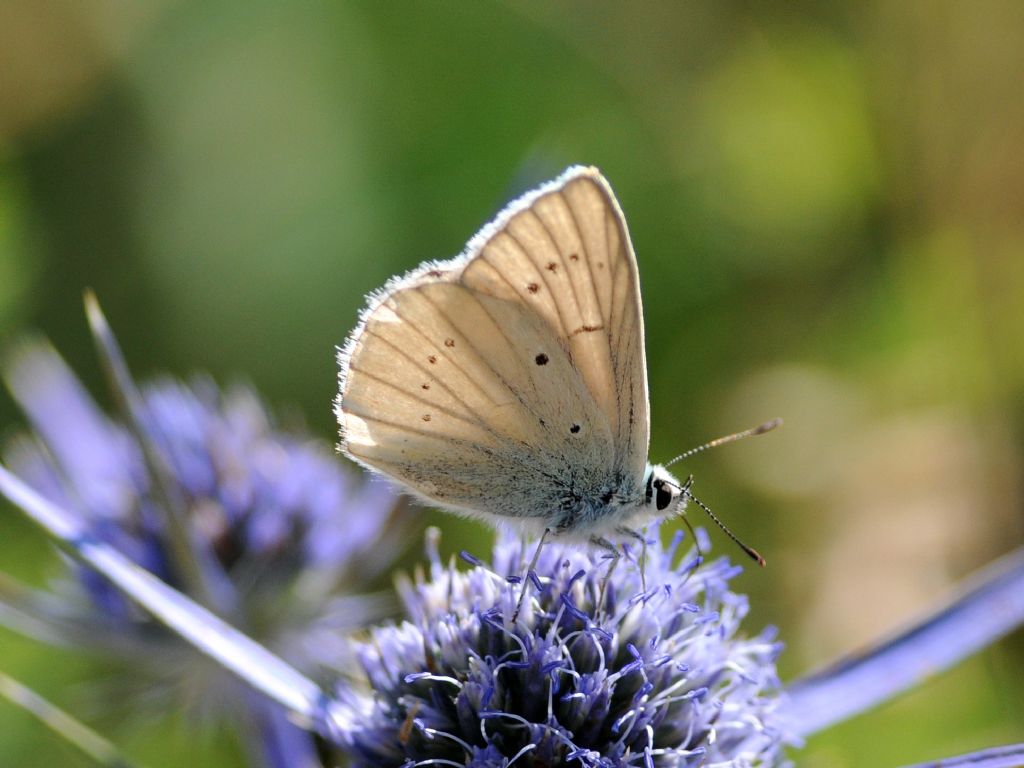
point(827, 203)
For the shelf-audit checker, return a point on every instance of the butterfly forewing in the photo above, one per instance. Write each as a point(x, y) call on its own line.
point(567, 254)
point(511, 380)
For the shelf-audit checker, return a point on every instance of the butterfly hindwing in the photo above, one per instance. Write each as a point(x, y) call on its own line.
point(465, 397)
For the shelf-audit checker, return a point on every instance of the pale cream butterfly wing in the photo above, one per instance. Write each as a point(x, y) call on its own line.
point(510, 382)
point(568, 256)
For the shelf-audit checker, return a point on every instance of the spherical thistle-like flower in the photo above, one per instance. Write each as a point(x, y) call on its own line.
point(655, 677)
point(197, 485)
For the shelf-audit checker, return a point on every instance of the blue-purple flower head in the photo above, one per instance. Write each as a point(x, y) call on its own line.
point(661, 677)
point(272, 532)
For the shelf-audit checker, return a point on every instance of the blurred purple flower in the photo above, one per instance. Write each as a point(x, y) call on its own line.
point(660, 678)
point(458, 686)
point(197, 485)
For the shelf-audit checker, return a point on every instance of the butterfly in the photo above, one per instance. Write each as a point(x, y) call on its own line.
point(510, 383)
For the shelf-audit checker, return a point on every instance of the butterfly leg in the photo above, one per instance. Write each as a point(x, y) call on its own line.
point(639, 536)
point(616, 555)
point(529, 570)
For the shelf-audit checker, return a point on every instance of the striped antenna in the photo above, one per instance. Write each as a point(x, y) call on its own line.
point(768, 426)
point(685, 491)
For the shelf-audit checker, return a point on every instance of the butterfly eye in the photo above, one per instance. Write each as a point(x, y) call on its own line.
point(663, 496)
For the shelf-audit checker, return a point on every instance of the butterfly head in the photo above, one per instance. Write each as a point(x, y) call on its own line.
point(663, 494)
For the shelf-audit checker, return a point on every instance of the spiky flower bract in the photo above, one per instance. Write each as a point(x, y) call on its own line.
point(200, 487)
point(661, 677)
